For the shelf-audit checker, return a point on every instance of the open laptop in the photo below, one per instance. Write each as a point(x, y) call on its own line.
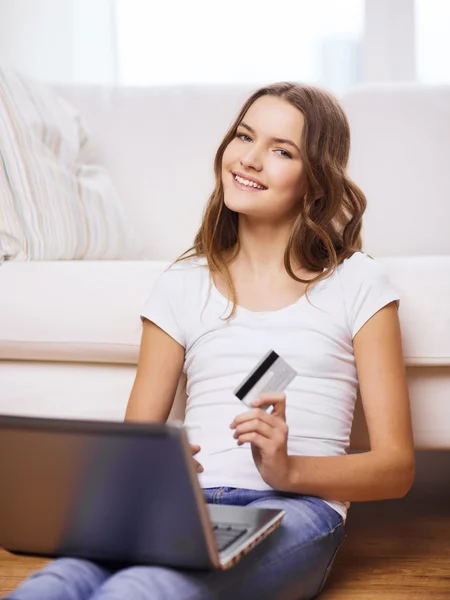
point(116, 492)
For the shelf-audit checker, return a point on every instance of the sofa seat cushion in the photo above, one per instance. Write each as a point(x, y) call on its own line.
point(88, 311)
point(84, 311)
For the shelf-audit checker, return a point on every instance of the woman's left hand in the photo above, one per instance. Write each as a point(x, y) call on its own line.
point(268, 435)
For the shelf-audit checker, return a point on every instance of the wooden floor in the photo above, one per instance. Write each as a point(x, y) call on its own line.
point(395, 550)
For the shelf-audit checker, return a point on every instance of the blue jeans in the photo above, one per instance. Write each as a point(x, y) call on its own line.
point(293, 562)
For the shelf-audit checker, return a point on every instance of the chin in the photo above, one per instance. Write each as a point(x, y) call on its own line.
point(237, 205)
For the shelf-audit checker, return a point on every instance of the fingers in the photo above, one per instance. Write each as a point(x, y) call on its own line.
point(276, 400)
point(278, 414)
point(198, 467)
point(195, 448)
point(253, 413)
point(259, 428)
point(256, 439)
point(253, 425)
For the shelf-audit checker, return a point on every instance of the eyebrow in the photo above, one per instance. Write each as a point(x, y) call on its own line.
point(274, 139)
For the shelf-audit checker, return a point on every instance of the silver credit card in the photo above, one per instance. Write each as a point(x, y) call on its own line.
point(271, 374)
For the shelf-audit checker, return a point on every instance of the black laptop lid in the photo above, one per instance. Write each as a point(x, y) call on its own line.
point(102, 490)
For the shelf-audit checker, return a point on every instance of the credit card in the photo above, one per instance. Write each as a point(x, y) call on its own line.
point(271, 374)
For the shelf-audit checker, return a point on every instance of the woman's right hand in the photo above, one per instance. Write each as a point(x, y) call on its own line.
point(195, 449)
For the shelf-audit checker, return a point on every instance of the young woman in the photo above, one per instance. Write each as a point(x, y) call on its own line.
point(276, 264)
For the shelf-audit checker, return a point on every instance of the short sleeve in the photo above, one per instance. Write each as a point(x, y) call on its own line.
point(164, 306)
point(367, 289)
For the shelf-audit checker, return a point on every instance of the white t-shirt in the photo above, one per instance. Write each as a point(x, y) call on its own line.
point(315, 338)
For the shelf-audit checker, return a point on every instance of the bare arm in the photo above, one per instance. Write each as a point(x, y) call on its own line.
point(387, 470)
point(160, 363)
point(161, 360)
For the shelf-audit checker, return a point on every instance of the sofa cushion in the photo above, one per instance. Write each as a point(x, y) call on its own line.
point(158, 143)
point(88, 311)
point(56, 200)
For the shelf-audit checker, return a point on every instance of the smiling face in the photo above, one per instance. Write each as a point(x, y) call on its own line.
point(265, 153)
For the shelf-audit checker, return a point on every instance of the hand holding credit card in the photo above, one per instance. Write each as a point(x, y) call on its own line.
point(271, 374)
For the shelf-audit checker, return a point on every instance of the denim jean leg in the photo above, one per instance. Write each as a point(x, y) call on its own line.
point(235, 496)
point(291, 563)
point(62, 579)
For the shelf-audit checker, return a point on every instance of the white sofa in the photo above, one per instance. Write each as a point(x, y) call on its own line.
point(70, 331)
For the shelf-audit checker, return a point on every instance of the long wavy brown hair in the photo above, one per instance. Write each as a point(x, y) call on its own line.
point(327, 229)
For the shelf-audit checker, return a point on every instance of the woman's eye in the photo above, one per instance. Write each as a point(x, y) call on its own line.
point(246, 138)
point(285, 154)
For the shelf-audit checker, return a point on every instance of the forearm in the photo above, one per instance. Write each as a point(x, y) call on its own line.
point(355, 477)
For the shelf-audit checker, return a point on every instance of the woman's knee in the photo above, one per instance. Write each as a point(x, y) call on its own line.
point(73, 568)
point(298, 556)
point(149, 582)
point(61, 579)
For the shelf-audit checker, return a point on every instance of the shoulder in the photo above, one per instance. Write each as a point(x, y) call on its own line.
point(175, 287)
point(366, 287)
point(359, 268)
point(358, 261)
point(189, 267)
point(184, 273)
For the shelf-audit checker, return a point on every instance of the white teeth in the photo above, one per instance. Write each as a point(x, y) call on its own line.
point(249, 183)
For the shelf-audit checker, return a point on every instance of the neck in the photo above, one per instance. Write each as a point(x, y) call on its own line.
point(261, 250)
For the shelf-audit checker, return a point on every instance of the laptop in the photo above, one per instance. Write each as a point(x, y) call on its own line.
point(114, 492)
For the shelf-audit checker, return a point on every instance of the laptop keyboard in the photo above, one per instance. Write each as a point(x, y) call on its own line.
point(227, 534)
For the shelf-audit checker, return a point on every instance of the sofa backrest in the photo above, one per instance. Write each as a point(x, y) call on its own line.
point(159, 144)
point(399, 157)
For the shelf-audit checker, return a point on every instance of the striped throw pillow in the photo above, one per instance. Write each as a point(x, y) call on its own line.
point(56, 201)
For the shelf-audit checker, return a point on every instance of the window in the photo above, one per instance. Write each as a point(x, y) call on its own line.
point(256, 41)
point(432, 40)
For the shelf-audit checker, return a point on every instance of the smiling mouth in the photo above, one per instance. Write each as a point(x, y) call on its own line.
point(247, 184)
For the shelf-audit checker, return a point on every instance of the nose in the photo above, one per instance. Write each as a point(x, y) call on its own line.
point(251, 160)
